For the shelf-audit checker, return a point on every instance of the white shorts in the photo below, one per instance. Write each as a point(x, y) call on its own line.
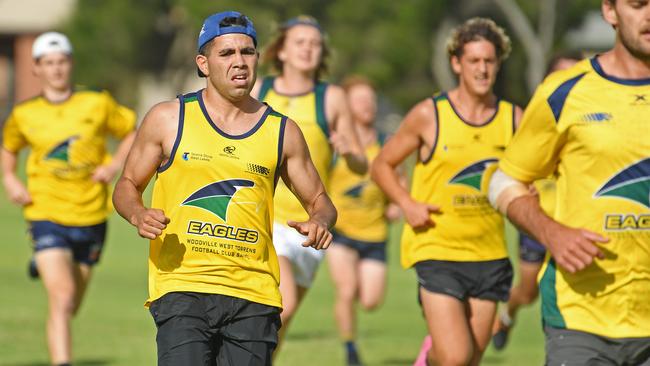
point(304, 261)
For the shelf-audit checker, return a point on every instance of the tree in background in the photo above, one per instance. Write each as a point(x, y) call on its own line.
point(121, 44)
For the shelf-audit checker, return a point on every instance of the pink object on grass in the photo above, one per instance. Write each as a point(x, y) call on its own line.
point(424, 350)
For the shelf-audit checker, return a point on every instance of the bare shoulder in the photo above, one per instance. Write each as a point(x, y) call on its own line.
point(294, 140)
point(163, 113)
point(519, 112)
point(161, 121)
point(292, 131)
point(334, 94)
point(421, 116)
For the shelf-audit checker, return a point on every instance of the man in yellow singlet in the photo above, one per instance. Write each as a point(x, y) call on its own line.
point(357, 257)
point(453, 237)
point(299, 53)
point(218, 154)
point(69, 168)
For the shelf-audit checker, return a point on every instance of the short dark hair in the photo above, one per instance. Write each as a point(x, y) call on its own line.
point(476, 29)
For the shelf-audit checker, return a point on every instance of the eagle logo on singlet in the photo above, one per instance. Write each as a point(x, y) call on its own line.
point(631, 183)
point(216, 197)
point(472, 175)
point(355, 191)
point(61, 151)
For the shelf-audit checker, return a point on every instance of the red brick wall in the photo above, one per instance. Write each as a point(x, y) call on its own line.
point(26, 84)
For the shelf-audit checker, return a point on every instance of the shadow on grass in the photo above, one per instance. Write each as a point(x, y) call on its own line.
point(82, 362)
point(493, 360)
point(398, 361)
point(486, 360)
point(306, 335)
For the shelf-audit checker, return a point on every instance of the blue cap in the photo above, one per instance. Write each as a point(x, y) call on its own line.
point(212, 27)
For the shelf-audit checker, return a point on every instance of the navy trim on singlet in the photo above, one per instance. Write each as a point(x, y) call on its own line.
point(382, 138)
point(321, 117)
point(632, 82)
point(483, 124)
point(435, 141)
point(223, 133)
point(557, 99)
point(319, 90)
point(179, 133)
point(514, 118)
point(278, 165)
point(267, 84)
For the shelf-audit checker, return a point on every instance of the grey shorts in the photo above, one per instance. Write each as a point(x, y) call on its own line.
point(565, 347)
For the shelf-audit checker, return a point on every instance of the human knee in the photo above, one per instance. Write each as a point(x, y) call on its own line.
point(451, 356)
point(450, 360)
point(370, 304)
point(288, 310)
point(529, 295)
point(346, 293)
point(64, 305)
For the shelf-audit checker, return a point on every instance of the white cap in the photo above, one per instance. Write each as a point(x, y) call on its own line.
point(51, 42)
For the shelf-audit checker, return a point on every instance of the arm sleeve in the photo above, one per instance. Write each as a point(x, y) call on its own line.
point(12, 137)
point(533, 152)
point(120, 119)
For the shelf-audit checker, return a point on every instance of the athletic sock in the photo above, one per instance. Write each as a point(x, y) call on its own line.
point(352, 354)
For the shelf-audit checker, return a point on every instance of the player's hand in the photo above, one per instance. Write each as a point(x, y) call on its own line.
point(105, 173)
point(418, 215)
point(16, 191)
point(574, 249)
point(393, 212)
point(317, 233)
point(150, 222)
point(340, 144)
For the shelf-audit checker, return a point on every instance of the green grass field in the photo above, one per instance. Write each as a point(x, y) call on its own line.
point(113, 328)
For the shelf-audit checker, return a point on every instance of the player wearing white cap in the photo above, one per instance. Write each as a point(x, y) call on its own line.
point(66, 199)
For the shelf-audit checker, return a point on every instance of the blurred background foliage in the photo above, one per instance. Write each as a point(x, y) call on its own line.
point(118, 43)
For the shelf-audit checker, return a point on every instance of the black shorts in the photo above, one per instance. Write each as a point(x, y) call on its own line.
point(530, 250)
point(209, 329)
point(366, 249)
point(488, 280)
point(85, 242)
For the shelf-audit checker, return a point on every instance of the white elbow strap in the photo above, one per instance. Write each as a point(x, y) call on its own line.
point(505, 189)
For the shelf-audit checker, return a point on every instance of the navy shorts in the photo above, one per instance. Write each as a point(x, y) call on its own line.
point(488, 280)
point(85, 242)
point(365, 249)
point(530, 250)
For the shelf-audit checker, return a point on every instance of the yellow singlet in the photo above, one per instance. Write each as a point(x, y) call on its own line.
point(468, 229)
point(217, 190)
point(308, 111)
point(67, 142)
point(359, 201)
